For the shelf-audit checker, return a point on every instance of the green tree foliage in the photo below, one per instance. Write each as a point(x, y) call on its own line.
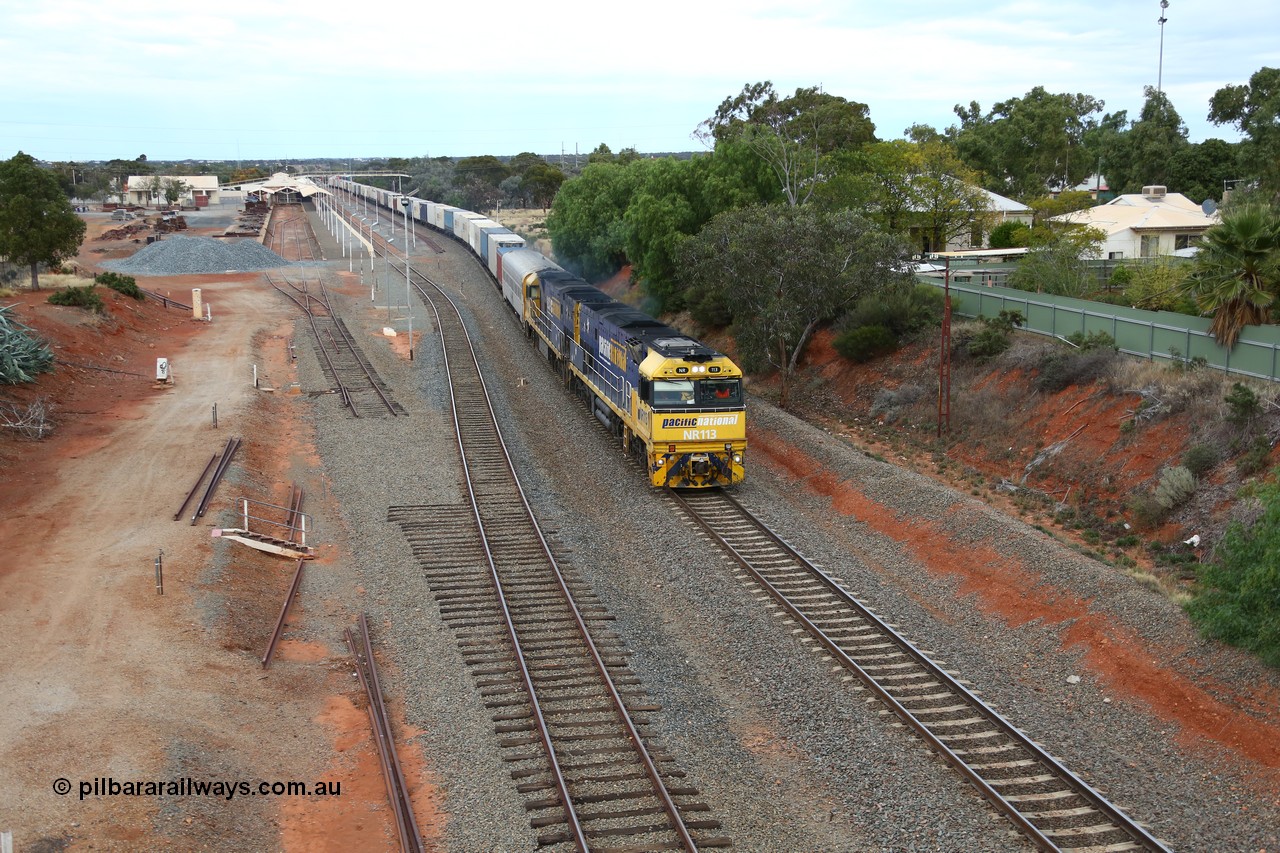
point(660, 215)
point(1254, 109)
point(919, 189)
point(640, 213)
point(1239, 598)
point(540, 183)
point(793, 135)
point(783, 270)
point(487, 169)
point(1069, 201)
point(1029, 144)
point(172, 189)
point(37, 224)
point(1200, 170)
point(1237, 271)
point(1010, 234)
point(1157, 285)
point(587, 220)
point(1055, 262)
point(1144, 155)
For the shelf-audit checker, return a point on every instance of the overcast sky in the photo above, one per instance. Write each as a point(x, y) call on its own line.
point(229, 80)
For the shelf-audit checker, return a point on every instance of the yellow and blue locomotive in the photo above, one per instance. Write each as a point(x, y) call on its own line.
point(675, 404)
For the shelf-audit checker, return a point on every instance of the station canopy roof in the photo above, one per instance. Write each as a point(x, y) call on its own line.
point(281, 182)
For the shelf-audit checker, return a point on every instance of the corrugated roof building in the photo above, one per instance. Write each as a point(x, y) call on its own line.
point(1145, 225)
point(148, 190)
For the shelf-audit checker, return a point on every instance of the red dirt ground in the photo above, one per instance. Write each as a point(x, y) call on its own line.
point(115, 675)
point(1018, 593)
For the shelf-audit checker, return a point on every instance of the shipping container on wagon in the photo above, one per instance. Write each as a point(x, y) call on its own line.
point(475, 234)
point(446, 217)
point(496, 244)
point(461, 220)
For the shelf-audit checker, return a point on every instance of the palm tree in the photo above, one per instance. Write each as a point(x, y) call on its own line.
point(1237, 272)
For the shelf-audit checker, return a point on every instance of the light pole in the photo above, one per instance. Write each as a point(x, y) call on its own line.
point(408, 295)
point(1164, 4)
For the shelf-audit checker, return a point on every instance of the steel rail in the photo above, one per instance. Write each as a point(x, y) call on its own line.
point(658, 785)
point(1081, 788)
point(233, 444)
point(347, 345)
point(212, 459)
point(384, 737)
point(284, 610)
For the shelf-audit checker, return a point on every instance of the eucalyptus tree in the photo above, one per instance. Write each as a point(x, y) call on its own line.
point(1254, 108)
point(781, 271)
point(1031, 144)
point(37, 224)
point(793, 135)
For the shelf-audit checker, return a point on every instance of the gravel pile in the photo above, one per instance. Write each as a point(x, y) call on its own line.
point(788, 754)
point(182, 255)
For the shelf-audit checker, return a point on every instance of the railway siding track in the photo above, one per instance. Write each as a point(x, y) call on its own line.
point(1045, 801)
point(570, 715)
point(354, 379)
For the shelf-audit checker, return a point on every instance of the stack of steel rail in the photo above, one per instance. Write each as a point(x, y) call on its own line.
point(219, 465)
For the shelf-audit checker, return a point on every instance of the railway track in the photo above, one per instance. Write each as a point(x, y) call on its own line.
point(290, 236)
point(355, 381)
point(1048, 803)
point(571, 716)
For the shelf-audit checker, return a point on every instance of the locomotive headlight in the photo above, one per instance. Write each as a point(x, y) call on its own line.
point(728, 447)
point(737, 458)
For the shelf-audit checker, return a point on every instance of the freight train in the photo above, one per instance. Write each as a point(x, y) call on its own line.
point(674, 403)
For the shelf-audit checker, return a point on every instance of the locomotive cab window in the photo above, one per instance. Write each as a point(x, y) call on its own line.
point(673, 392)
point(720, 392)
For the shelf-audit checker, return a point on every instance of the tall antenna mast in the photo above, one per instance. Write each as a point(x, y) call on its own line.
point(1164, 4)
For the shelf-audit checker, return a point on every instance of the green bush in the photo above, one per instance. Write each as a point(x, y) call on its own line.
point(1098, 340)
point(78, 297)
point(1177, 484)
point(125, 284)
point(1256, 459)
point(1145, 512)
point(1200, 459)
point(1120, 277)
point(995, 336)
point(1058, 369)
point(865, 343)
point(1009, 234)
point(1242, 405)
point(902, 311)
point(1239, 599)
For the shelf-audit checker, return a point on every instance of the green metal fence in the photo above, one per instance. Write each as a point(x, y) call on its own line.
point(1155, 335)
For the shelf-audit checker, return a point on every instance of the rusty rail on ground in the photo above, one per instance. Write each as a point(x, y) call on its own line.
point(284, 611)
point(397, 790)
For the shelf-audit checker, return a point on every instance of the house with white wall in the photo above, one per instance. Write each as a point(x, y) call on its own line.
point(1149, 224)
point(148, 190)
